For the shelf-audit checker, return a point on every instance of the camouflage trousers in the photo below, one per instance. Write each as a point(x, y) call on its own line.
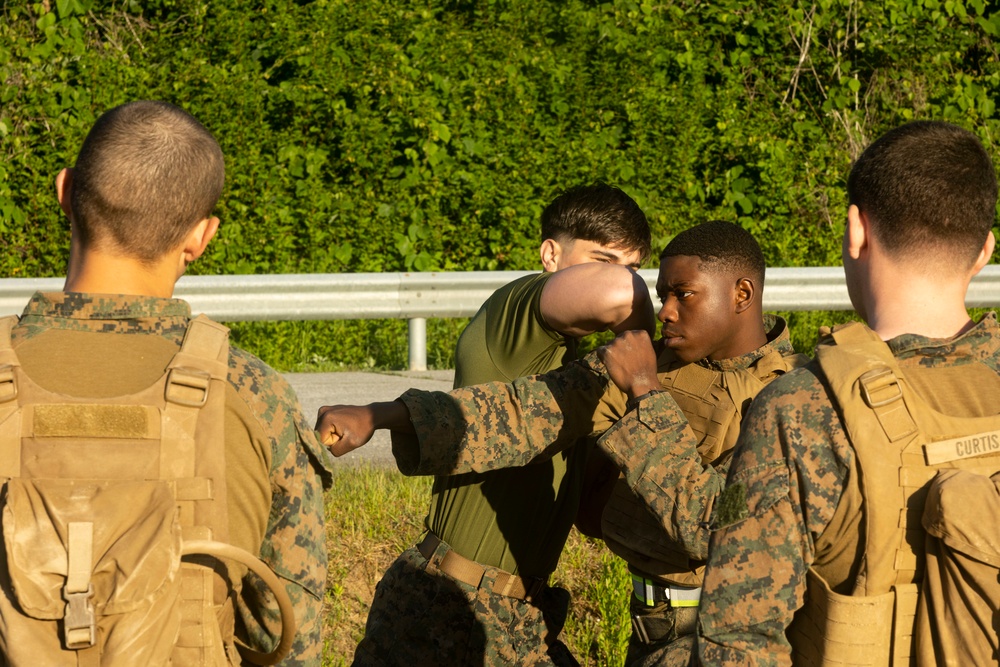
point(671, 634)
point(421, 616)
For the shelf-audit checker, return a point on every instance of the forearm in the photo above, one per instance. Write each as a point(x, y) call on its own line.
point(658, 453)
point(392, 415)
point(496, 425)
point(754, 583)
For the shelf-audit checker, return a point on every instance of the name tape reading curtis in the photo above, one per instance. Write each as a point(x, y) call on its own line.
point(964, 447)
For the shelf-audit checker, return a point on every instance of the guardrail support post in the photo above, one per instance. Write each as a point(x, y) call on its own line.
point(418, 344)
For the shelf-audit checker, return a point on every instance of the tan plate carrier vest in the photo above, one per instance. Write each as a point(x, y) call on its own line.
point(111, 508)
point(901, 443)
point(714, 403)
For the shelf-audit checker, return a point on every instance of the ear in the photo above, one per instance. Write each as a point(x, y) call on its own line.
point(64, 191)
point(856, 234)
point(745, 291)
point(198, 238)
point(985, 253)
point(550, 252)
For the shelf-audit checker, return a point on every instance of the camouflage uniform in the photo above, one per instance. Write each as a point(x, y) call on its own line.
point(272, 436)
point(791, 469)
point(499, 425)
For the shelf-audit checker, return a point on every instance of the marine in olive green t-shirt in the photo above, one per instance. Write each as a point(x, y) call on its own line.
point(516, 519)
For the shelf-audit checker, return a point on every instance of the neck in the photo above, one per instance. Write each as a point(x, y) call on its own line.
point(907, 300)
point(745, 339)
point(99, 272)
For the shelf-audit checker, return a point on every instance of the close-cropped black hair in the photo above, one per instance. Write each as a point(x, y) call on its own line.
point(722, 247)
point(600, 213)
point(925, 185)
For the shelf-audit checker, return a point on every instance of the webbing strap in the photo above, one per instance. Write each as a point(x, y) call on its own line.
point(882, 392)
point(10, 440)
point(650, 593)
point(201, 358)
point(205, 339)
point(80, 556)
point(474, 574)
point(904, 621)
point(79, 624)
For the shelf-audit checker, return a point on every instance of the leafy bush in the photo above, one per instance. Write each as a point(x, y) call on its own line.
point(380, 135)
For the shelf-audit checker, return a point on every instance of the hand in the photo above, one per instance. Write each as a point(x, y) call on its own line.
point(631, 362)
point(344, 428)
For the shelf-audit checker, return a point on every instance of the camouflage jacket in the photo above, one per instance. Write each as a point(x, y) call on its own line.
point(293, 541)
point(789, 472)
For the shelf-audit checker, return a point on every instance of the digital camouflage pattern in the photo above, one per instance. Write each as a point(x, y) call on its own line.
point(497, 425)
point(294, 539)
point(785, 483)
point(516, 519)
point(458, 624)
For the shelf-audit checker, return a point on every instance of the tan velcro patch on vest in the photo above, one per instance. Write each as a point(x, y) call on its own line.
point(966, 447)
point(91, 421)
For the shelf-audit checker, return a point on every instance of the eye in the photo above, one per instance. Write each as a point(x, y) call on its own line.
point(684, 294)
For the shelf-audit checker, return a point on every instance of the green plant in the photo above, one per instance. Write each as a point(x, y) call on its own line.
point(376, 135)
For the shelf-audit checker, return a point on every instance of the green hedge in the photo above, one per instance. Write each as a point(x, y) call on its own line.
point(384, 135)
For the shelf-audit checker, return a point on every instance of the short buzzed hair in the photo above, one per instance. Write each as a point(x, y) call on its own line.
point(925, 186)
point(722, 247)
point(599, 213)
point(147, 173)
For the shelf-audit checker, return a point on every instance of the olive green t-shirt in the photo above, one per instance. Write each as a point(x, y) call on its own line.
point(515, 519)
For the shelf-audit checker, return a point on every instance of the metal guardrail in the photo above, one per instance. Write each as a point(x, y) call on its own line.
point(417, 296)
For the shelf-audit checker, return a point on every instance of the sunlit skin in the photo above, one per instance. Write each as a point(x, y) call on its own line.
point(704, 313)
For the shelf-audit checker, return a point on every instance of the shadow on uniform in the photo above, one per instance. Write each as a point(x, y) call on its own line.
point(452, 630)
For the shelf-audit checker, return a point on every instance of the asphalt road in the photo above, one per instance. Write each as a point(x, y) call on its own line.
point(317, 389)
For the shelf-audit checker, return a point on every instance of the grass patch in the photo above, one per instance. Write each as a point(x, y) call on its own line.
point(373, 514)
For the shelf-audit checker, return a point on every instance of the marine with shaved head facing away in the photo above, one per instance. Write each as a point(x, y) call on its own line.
point(163, 498)
point(859, 521)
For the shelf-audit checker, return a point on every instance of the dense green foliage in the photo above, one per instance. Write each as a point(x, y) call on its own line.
point(386, 135)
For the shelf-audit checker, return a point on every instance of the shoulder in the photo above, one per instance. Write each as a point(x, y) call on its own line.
point(515, 307)
point(792, 413)
point(794, 419)
point(802, 382)
point(275, 408)
point(261, 387)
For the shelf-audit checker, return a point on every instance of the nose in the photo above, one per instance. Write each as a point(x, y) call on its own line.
point(668, 311)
